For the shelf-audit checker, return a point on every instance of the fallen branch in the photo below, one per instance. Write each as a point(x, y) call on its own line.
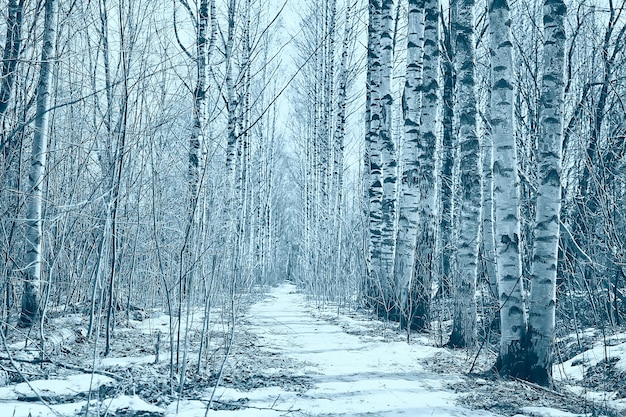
point(542, 388)
point(256, 408)
point(116, 377)
point(568, 396)
point(237, 405)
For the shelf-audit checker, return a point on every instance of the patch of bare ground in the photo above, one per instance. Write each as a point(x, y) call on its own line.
point(482, 389)
point(248, 366)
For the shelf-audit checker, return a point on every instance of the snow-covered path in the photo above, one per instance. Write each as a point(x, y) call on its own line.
point(288, 359)
point(352, 375)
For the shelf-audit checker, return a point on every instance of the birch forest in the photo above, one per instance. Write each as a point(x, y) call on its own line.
point(200, 199)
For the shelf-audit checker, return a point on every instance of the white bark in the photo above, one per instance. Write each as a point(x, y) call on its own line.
point(506, 181)
point(32, 281)
point(545, 251)
point(426, 173)
point(388, 154)
point(466, 262)
point(232, 146)
point(376, 290)
point(338, 140)
point(196, 140)
point(410, 181)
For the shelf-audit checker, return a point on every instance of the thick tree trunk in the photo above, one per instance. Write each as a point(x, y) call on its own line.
point(506, 193)
point(377, 289)
point(32, 280)
point(410, 181)
point(466, 262)
point(541, 323)
point(426, 227)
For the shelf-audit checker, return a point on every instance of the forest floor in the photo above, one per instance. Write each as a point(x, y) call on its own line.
point(290, 358)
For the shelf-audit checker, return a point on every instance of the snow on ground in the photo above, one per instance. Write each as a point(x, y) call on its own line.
point(290, 358)
point(573, 372)
point(350, 376)
point(161, 323)
point(614, 347)
point(20, 409)
point(29, 393)
point(126, 362)
point(69, 387)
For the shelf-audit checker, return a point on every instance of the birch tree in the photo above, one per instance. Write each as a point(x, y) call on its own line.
point(466, 262)
point(426, 159)
point(388, 151)
point(409, 194)
point(32, 281)
point(380, 157)
point(339, 136)
point(506, 195)
point(541, 321)
point(418, 182)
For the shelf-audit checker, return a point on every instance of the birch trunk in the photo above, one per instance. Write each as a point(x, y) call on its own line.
point(376, 290)
point(466, 263)
point(506, 194)
point(448, 156)
point(340, 130)
point(426, 161)
point(541, 323)
point(32, 281)
point(410, 182)
point(338, 139)
point(388, 158)
point(232, 146)
point(196, 152)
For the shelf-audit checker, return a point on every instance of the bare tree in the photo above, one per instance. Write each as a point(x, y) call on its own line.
point(466, 260)
point(506, 194)
point(32, 281)
point(541, 321)
point(409, 195)
point(426, 227)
